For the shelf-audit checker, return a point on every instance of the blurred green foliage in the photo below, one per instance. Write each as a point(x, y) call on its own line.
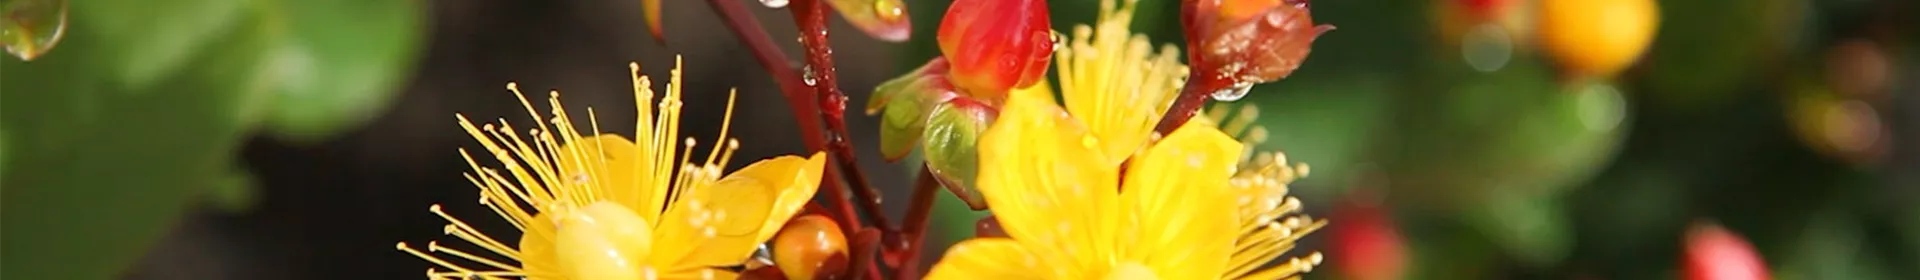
point(140, 111)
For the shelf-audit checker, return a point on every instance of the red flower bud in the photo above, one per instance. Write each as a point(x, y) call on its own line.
point(1713, 253)
point(1245, 42)
point(996, 45)
point(1365, 243)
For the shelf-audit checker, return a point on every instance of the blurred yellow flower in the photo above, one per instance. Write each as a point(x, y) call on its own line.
point(594, 205)
point(1086, 192)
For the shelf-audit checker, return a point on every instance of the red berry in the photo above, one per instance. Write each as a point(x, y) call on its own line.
point(1365, 243)
point(1713, 253)
point(996, 45)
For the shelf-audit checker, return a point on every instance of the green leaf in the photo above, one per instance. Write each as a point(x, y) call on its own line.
point(233, 192)
point(154, 39)
point(1531, 228)
point(1698, 61)
point(1832, 247)
point(1325, 123)
point(3, 152)
point(336, 64)
point(1514, 130)
point(102, 170)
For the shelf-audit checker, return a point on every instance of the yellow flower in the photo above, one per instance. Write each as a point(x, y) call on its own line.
point(594, 205)
point(1187, 206)
point(1113, 80)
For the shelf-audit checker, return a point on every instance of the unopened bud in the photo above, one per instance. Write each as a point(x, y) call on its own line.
point(996, 45)
point(905, 103)
point(1248, 41)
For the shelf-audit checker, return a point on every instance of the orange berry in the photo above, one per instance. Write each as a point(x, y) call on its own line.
point(806, 243)
point(1597, 38)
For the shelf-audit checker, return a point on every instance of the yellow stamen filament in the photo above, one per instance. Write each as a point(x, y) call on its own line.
point(402, 246)
point(434, 246)
point(460, 229)
point(1241, 121)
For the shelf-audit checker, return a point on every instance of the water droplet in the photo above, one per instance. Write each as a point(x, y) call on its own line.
point(1277, 18)
point(889, 10)
point(806, 75)
point(1239, 90)
point(29, 28)
point(776, 4)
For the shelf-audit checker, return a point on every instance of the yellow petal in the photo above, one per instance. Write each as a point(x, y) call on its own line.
point(1042, 90)
point(988, 258)
point(1048, 185)
point(536, 249)
point(796, 179)
point(613, 176)
point(602, 241)
point(1178, 188)
point(721, 224)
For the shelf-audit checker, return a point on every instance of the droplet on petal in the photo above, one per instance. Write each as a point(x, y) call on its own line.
point(776, 4)
point(30, 28)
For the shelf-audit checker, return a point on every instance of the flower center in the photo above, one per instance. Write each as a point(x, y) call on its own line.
point(1130, 271)
point(602, 241)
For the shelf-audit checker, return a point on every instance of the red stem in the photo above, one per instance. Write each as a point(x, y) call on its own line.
point(865, 245)
point(1193, 96)
point(911, 238)
point(797, 93)
point(811, 16)
point(820, 82)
